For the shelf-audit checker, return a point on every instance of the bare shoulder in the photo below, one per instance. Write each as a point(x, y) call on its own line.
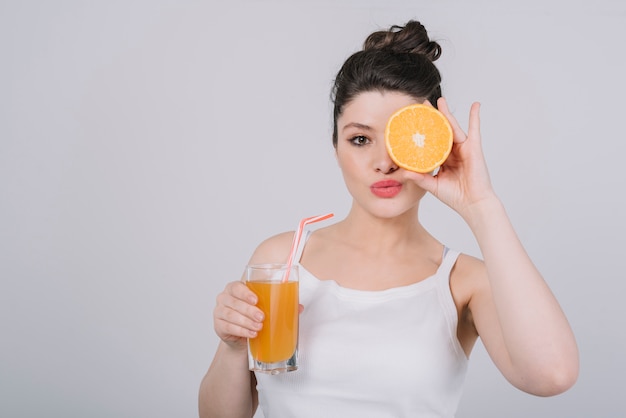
point(468, 277)
point(469, 266)
point(468, 280)
point(274, 249)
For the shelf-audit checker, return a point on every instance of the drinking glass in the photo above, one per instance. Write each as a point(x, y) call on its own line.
point(275, 349)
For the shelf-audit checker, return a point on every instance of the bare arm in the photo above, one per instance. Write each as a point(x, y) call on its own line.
point(516, 315)
point(228, 388)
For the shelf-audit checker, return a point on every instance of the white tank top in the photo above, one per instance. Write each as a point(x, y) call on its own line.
point(390, 353)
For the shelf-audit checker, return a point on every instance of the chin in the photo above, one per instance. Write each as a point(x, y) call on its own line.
point(390, 209)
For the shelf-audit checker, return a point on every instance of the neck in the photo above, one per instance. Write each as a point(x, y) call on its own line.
point(380, 233)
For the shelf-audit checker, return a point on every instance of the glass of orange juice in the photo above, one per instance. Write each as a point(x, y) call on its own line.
point(275, 349)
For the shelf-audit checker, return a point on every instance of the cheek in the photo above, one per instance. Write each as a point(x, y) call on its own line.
point(347, 163)
point(412, 187)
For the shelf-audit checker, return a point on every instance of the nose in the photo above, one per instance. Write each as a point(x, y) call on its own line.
point(384, 164)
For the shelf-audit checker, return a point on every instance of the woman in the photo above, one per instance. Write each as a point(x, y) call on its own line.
point(391, 314)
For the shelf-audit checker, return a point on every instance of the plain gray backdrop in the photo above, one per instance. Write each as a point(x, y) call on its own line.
point(147, 147)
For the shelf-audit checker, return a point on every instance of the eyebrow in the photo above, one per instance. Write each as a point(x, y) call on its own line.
point(357, 125)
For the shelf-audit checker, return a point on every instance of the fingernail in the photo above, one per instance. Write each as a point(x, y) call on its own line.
point(258, 316)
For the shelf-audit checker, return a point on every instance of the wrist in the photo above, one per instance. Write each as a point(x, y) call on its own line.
point(483, 211)
point(233, 350)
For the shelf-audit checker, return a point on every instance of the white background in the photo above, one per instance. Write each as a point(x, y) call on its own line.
point(146, 148)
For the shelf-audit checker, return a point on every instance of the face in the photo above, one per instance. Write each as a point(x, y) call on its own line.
point(375, 182)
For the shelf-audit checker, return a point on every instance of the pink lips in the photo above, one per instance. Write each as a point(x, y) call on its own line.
point(386, 188)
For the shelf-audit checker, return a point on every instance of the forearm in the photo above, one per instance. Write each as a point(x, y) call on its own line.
point(535, 332)
point(226, 390)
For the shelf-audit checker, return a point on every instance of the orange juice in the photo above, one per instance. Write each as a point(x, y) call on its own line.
point(278, 339)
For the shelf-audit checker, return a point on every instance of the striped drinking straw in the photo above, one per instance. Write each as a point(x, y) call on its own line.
point(298, 235)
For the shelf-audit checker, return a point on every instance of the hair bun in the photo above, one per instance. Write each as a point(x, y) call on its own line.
point(411, 38)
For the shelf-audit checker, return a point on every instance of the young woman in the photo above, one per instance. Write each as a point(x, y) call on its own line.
point(390, 313)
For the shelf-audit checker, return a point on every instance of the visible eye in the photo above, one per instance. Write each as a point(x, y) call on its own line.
point(359, 140)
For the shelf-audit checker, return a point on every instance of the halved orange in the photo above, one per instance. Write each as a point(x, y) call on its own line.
point(418, 138)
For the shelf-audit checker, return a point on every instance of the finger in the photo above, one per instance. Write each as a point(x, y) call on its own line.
point(239, 290)
point(474, 120)
point(229, 331)
point(234, 311)
point(458, 134)
point(238, 298)
point(230, 321)
point(244, 307)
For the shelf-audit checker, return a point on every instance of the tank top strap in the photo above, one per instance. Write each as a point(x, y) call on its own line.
point(300, 250)
point(449, 259)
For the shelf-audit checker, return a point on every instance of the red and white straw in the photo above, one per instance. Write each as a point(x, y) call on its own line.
point(298, 235)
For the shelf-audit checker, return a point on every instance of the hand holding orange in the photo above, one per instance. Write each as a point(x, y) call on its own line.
point(418, 138)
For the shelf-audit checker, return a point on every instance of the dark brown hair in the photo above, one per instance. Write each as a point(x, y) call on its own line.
point(399, 59)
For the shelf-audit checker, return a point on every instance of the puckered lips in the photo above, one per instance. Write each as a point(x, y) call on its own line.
point(386, 188)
